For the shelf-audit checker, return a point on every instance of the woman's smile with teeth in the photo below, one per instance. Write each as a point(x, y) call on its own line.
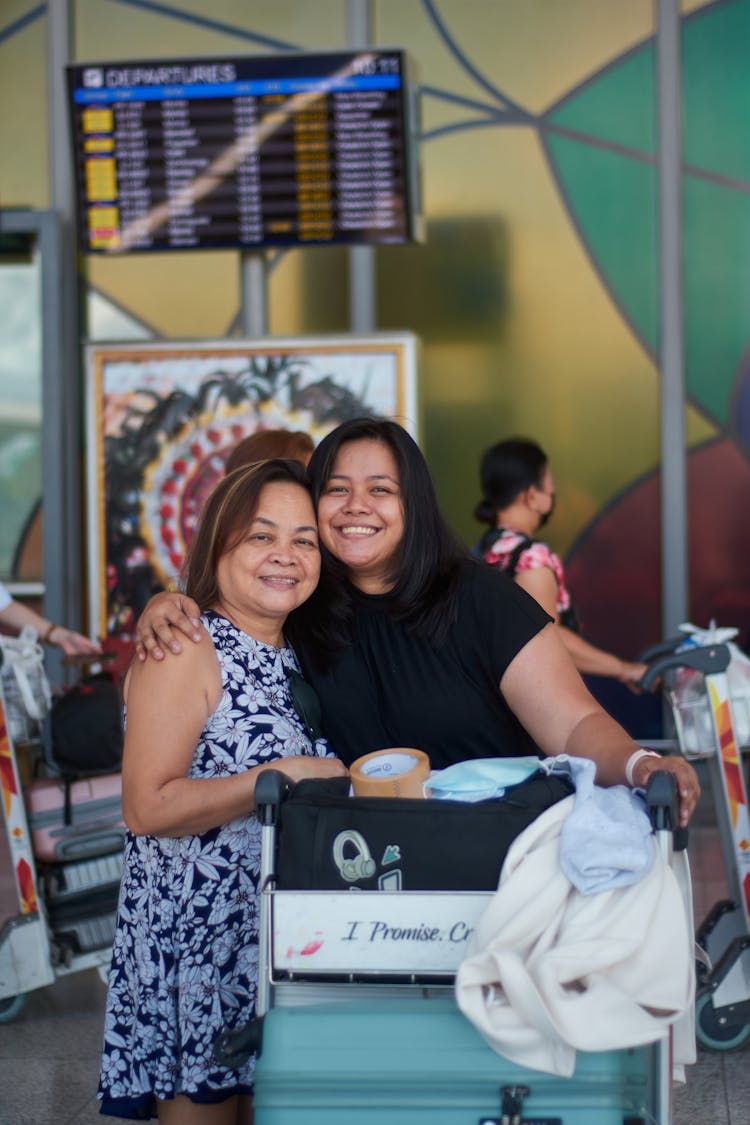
point(358, 530)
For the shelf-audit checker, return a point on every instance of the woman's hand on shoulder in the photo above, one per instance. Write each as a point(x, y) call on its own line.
point(174, 689)
point(165, 618)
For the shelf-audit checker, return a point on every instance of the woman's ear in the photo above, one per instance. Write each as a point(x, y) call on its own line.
point(531, 497)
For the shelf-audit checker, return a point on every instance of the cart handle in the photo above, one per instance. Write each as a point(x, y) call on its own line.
point(271, 789)
point(663, 807)
point(662, 648)
point(709, 660)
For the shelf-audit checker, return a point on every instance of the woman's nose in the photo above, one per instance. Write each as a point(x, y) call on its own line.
point(357, 501)
point(283, 554)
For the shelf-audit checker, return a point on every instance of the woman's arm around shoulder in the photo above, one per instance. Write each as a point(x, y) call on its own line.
point(545, 692)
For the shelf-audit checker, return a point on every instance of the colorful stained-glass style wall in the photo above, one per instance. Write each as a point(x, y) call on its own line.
point(535, 293)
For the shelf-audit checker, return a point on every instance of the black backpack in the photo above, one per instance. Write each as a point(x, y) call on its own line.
point(83, 732)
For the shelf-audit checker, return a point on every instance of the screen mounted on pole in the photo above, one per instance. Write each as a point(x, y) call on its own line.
point(244, 152)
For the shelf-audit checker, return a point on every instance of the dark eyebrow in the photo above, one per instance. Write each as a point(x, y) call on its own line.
point(270, 523)
point(372, 476)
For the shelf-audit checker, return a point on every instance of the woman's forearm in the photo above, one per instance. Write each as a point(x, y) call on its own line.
point(188, 806)
point(17, 615)
point(600, 738)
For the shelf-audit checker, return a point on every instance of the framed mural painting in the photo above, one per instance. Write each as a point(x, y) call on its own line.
point(162, 419)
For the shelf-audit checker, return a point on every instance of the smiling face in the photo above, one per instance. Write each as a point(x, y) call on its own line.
point(360, 514)
point(274, 566)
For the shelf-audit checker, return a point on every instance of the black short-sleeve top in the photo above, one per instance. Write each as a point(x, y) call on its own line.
point(391, 688)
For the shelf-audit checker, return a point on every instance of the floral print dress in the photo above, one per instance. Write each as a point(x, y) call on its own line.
point(185, 954)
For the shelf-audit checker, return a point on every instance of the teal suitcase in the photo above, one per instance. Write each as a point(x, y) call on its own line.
point(420, 1062)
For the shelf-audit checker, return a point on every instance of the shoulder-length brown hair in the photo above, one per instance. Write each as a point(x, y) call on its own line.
point(228, 512)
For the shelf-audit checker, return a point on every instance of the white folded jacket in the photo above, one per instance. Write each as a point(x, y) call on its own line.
point(550, 971)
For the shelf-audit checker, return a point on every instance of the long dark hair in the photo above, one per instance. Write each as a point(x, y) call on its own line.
point(424, 590)
point(228, 512)
point(506, 470)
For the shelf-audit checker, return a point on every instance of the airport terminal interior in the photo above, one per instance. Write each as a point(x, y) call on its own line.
point(483, 219)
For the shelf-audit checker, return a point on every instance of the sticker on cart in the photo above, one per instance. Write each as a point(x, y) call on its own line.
point(390, 881)
point(352, 856)
point(335, 932)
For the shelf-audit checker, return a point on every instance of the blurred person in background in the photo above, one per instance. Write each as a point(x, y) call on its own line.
point(518, 498)
point(14, 616)
point(263, 444)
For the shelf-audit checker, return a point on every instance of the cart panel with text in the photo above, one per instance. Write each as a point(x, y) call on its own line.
point(358, 1019)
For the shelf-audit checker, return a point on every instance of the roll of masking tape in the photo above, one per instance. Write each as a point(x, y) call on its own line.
point(398, 771)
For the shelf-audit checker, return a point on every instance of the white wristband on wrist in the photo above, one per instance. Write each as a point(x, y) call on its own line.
point(633, 759)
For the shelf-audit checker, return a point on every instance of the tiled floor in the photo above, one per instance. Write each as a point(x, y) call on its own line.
point(49, 1054)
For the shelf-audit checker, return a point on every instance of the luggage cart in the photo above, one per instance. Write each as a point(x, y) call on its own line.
point(356, 1018)
point(63, 913)
point(705, 729)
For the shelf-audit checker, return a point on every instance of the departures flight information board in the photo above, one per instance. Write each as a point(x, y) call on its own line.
point(244, 152)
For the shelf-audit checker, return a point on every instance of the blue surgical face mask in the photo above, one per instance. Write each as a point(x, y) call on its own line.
point(479, 779)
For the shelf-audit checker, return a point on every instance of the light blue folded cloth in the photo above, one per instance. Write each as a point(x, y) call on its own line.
point(606, 840)
point(479, 778)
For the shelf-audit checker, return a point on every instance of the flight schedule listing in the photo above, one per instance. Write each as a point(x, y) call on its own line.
point(242, 152)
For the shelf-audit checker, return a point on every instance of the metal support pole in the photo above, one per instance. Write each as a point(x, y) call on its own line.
point(62, 462)
point(674, 577)
point(254, 294)
point(362, 278)
point(362, 294)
